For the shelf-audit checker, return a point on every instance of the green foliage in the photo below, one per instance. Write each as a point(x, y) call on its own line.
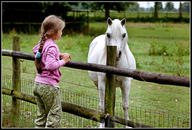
point(81, 23)
point(157, 49)
point(180, 49)
point(169, 6)
point(164, 19)
point(118, 6)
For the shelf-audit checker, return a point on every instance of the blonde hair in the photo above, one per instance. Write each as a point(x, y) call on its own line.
point(50, 27)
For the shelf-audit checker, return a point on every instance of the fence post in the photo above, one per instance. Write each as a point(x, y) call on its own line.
point(16, 81)
point(110, 88)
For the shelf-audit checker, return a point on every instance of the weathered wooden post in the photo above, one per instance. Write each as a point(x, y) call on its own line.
point(16, 81)
point(110, 88)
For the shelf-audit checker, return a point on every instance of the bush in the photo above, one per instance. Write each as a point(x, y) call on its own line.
point(158, 49)
point(179, 49)
point(145, 19)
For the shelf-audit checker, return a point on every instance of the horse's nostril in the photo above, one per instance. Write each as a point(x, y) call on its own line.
point(119, 54)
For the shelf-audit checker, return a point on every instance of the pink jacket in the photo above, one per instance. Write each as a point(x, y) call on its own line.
point(50, 63)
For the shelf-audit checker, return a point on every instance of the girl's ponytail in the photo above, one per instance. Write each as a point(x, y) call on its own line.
point(38, 60)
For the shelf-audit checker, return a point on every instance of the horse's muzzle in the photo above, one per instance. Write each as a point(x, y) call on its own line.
point(118, 56)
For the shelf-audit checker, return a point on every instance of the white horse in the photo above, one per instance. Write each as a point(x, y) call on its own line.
point(115, 35)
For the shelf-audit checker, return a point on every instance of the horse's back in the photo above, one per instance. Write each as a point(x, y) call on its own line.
point(95, 49)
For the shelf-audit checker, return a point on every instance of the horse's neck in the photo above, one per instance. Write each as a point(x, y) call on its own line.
point(126, 47)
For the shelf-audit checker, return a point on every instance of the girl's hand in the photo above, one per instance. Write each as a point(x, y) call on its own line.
point(66, 57)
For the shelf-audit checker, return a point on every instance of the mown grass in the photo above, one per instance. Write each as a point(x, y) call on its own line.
point(158, 48)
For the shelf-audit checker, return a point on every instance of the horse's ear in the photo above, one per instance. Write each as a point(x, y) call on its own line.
point(123, 21)
point(109, 21)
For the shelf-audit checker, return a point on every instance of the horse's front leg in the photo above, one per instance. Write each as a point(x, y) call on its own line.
point(101, 90)
point(125, 88)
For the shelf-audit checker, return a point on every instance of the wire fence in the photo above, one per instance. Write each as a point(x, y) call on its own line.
point(139, 111)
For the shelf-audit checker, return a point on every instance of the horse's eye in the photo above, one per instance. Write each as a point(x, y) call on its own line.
point(108, 35)
point(124, 34)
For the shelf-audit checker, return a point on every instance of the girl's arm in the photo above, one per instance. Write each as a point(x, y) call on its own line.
point(51, 62)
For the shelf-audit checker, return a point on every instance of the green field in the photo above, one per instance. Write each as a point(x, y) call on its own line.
point(157, 47)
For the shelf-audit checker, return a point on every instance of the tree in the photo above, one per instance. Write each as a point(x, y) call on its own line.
point(58, 8)
point(151, 9)
point(119, 6)
point(160, 6)
point(133, 7)
point(156, 10)
point(169, 6)
point(185, 7)
point(141, 9)
point(180, 14)
point(33, 12)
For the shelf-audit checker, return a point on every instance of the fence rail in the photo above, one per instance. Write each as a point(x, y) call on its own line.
point(136, 74)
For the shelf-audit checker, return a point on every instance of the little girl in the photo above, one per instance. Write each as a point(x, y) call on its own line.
point(47, 62)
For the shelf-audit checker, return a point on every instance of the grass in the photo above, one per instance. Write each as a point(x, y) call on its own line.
point(157, 47)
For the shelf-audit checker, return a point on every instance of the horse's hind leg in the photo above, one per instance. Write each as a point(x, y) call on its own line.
point(125, 94)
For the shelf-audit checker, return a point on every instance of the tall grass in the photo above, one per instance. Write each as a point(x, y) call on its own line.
point(177, 50)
